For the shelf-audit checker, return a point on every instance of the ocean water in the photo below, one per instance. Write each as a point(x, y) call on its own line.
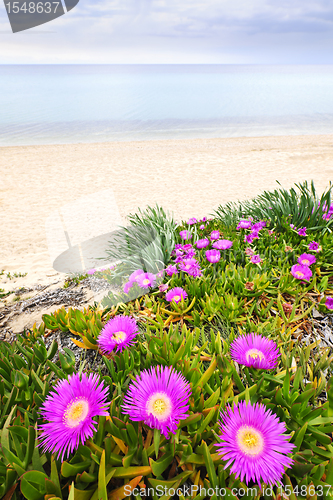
point(55, 104)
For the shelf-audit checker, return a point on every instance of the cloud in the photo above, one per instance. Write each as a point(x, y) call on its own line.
point(143, 31)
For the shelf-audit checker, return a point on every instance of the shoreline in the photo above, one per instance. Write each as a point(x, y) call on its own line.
point(189, 177)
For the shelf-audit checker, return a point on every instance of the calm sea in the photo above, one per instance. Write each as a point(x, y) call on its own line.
point(50, 104)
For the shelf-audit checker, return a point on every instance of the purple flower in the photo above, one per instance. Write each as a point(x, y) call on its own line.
point(127, 286)
point(255, 259)
point(92, 271)
point(313, 246)
point(249, 238)
point(191, 267)
point(192, 221)
point(244, 224)
point(253, 441)
point(202, 243)
point(133, 277)
point(70, 409)
point(185, 235)
point(301, 272)
point(177, 294)
point(118, 333)
point(202, 227)
point(214, 235)
point(292, 226)
point(163, 287)
point(306, 259)
point(258, 225)
point(146, 280)
point(329, 302)
point(249, 251)
point(222, 244)
point(256, 351)
point(170, 270)
point(204, 219)
point(159, 397)
point(302, 231)
point(213, 256)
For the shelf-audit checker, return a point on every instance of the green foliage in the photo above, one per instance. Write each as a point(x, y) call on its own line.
point(145, 244)
point(301, 206)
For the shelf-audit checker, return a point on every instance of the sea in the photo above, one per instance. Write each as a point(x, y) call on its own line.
point(58, 104)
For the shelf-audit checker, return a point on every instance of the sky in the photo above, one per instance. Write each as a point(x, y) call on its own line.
point(177, 32)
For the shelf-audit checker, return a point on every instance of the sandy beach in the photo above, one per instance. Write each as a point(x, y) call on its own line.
point(189, 177)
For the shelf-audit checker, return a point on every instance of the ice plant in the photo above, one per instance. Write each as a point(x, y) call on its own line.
point(176, 294)
point(70, 409)
point(171, 269)
point(191, 221)
point(256, 351)
point(222, 244)
point(301, 272)
point(302, 231)
point(146, 280)
point(159, 397)
point(313, 246)
point(91, 271)
point(306, 259)
point(117, 334)
point(329, 303)
point(185, 235)
point(191, 267)
point(213, 256)
point(214, 235)
point(203, 243)
point(244, 224)
point(255, 259)
point(254, 444)
point(249, 251)
point(134, 276)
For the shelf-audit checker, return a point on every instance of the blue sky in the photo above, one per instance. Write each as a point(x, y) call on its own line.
point(178, 31)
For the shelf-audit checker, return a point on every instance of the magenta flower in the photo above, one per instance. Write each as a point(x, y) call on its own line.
point(185, 235)
point(301, 272)
point(133, 277)
point(222, 244)
point(302, 231)
point(255, 259)
point(204, 219)
point(253, 441)
point(292, 226)
point(70, 409)
point(213, 256)
point(159, 397)
point(249, 251)
point(191, 267)
point(127, 286)
point(192, 221)
point(329, 302)
point(170, 270)
point(214, 235)
point(313, 246)
point(163, 287)
point(249, 238)
point(92, 271)
point(202, 243)
point(244, 224)
point(256, 351)
point(117, 334)
point(306, 259)
point(176, 294)
point(202, 227)
point(146, 280)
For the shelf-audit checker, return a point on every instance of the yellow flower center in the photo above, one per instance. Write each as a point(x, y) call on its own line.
point(76, 412)
point(146, 282)
point(299, 274)
point(119, 336)
point(306, 262)
point(250, 440)
point(177, 298)
point(254, 354)
point(159, 404)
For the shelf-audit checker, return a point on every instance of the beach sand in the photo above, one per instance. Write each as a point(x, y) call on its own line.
point(189, 177)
